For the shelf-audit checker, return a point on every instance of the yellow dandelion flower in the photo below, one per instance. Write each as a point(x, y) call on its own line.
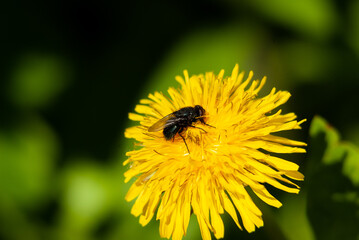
point(207, 167)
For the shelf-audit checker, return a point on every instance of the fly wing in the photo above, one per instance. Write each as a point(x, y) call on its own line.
point(162, 123)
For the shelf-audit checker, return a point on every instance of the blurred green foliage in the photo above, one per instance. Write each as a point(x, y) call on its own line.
point(71, 71)
point(37, 80)
point(30, 152)
point(332, 183)
point(315, 18)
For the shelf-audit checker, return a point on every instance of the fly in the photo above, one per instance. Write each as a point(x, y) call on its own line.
point(178, 121)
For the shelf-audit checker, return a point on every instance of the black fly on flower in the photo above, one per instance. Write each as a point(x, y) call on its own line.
point(214, 143)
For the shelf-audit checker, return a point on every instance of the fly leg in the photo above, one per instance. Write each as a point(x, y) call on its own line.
point(203, 122)
point(198, 128)
point(184, 142)
point(179, 133)
point(209, 125)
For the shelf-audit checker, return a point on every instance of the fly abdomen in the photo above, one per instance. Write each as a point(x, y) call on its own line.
point(170, 131)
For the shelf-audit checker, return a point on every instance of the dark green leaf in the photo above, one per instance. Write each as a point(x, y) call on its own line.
point(332, 180)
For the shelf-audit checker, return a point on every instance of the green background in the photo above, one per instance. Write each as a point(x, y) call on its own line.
point(72, 70)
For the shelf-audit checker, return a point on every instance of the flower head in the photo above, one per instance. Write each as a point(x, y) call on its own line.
point(207, 168)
